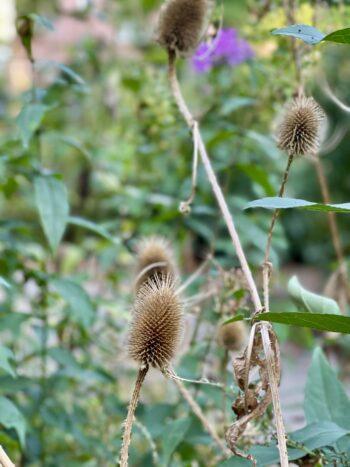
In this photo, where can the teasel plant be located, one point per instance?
(172, 29)
(156, 328)
(340, 279)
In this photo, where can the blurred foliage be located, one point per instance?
(101, 134)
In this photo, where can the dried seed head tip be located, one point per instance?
(232, 336)
(155, 257)
(301, 127)
(181, 24)
(157, 322)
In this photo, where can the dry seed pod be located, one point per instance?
(155, 257)
(156, 326)
(300, 129)
(181, 24)
(232, 336)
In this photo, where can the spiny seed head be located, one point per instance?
(155, 257)
(300, 129)
(181, 24)
(156, 326)
(232, 336)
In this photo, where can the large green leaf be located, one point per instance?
(341, 37)
(309, 301)
(174, 433)
(11, 417)
(78, 300)
(325, 397)
(29, 120)
(277, 202)
(6, 355)
(319, 321)
(306, 33)
(52, 203)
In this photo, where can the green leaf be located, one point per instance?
(341, 37)
(236, 103)
(29, 120)
(78, 300)
(52, 203)
(11, 417)
(174, 433)
(89, 225)
(309, 301)
(306, 33)
(290, 203)
(319, 321)
(5, 356)
(325, 397)
(234, 319)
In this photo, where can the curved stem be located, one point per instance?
(273, 380)
(124, 452)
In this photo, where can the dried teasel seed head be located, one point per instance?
(301, 127)
(181, 24)
(232, 336)
(155, 257)
(157, 323)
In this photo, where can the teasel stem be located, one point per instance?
(267, 266)
(124, 452)
(196, 409)
(185, 206)
(273, 380)
(333, 226)
(5, 461)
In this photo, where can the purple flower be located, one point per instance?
(227, 48)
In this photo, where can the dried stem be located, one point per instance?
(124, 452)
(176, 90)
(333, 226)
(5, 461)
(199, 413)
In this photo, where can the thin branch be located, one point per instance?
(176, 90)
(150, 440)
(200, 415)
(124, 452)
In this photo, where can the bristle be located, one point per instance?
(181, 24)
(155, 257)
(232, 336)
(300, 130)
(156, 326)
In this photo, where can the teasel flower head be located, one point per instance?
(301, 127)
(232, 336)
(181, 25)
(157, 323)
(155, 257)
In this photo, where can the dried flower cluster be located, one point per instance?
(181, 25)
(156, 326)
(155, 257)
(300, 130)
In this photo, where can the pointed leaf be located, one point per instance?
(342, 36)
(321, 322)
(309, 301)
(98, 229)
(306, 33)
(52, 204)
(289, 203)
(29, 120)
(11, 417)
(78, 300)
